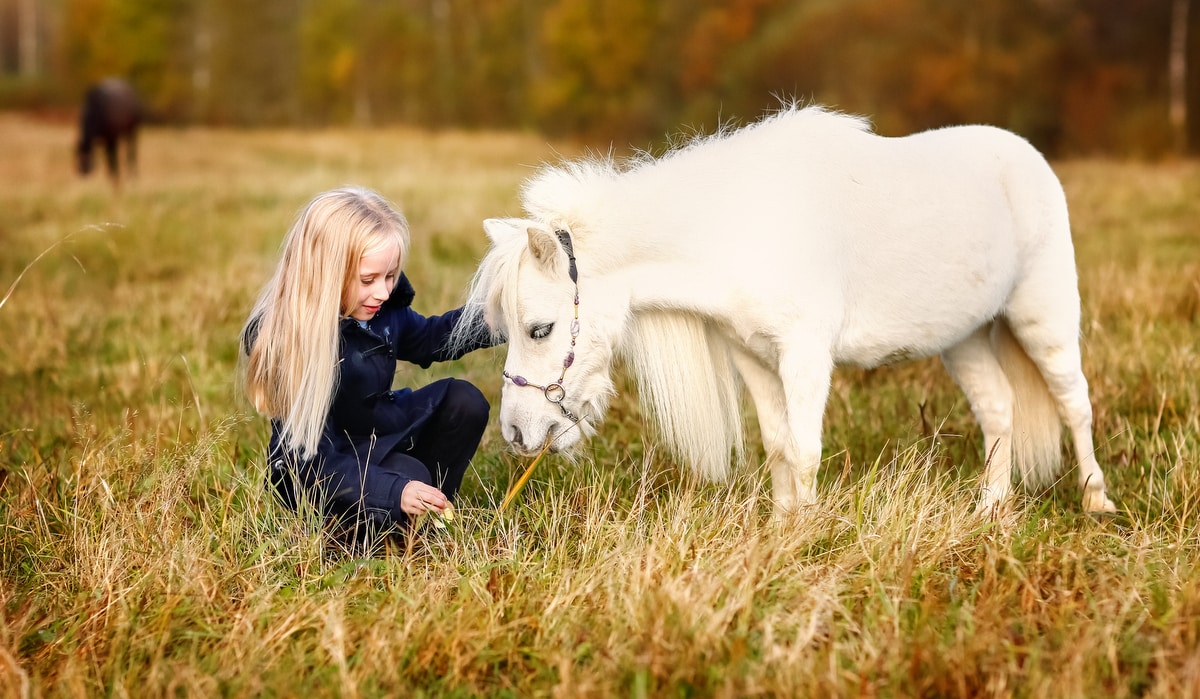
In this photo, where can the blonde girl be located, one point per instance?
(321, 347)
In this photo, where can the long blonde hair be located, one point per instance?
(291, 338)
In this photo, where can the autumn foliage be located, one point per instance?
(1075, 76)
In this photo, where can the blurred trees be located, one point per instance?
(1075, 76)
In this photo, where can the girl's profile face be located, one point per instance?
(377, 272)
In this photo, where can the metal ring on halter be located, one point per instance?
(555, 393)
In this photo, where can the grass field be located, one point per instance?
(140, 555)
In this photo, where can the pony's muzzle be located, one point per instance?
(518, 441)
(528, 447)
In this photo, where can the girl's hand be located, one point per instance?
(417, 498)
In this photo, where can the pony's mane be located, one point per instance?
(572, 192)
(688, 385)
(489, 294)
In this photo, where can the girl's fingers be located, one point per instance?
(419, 498)
(438, 499)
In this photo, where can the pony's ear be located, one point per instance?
(499, 229)
(543, 244)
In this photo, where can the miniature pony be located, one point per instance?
(763, 257)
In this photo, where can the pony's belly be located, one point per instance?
(871, 357)
(907, 311)
(892, 341)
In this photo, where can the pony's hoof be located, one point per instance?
(991, 509)
(992, 503)
(792, 512)
(1097, 501)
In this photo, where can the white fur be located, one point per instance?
(773, 253)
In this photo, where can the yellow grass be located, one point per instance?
(141, 556)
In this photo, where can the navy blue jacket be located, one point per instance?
(368, 420)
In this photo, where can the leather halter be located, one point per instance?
(554, 392)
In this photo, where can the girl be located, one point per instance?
(321, 349)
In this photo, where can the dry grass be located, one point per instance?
(141, 556)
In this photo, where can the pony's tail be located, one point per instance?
(687, 382)
(1037, 427)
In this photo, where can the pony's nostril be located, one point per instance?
(517, 439)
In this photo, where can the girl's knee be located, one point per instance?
(466, 403)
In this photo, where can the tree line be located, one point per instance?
(1074, 76)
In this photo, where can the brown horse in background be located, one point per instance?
(111, 113)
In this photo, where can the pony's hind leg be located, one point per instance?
(131, 152)
(110, 157)
(974, 367)
(1048, 332)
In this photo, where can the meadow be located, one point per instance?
(141, 556)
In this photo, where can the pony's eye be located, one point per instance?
(540, 331)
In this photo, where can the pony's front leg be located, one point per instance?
(766, 390)
(805, 375)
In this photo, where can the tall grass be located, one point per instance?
(141, 556)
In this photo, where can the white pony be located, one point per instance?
(766, 255)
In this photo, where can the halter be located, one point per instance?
(554, 392)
